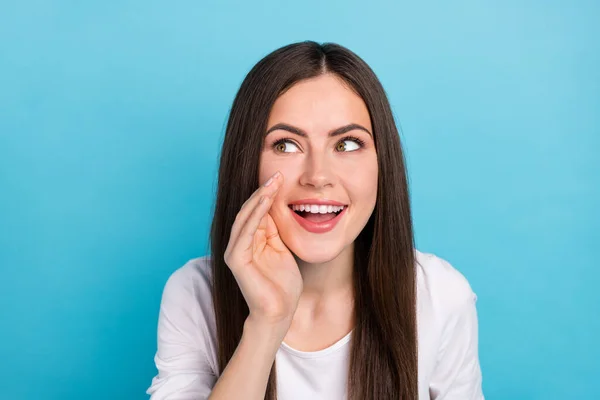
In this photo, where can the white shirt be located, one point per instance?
(448, 361)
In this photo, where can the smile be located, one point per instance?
(318, 218)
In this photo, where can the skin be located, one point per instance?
(323, 167)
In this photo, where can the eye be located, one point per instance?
(282, 145)
(346, 145)
(356, 144)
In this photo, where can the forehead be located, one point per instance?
(320, 104)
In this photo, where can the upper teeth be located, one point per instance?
(317, 209)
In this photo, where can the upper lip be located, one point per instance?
(320, 202)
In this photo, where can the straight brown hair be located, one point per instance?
(383, 347)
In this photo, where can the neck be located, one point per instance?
(329, 279)
(328, 293)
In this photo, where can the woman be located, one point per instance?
(314, 289)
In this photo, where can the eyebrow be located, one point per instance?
(336, 132)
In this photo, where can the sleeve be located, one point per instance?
(457, 374)
(184, 372)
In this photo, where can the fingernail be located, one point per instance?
(267, 183)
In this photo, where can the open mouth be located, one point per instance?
(318, 217)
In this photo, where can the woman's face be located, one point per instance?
(320, 167)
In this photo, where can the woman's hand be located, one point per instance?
(264, 268)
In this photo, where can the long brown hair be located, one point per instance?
(383, 349)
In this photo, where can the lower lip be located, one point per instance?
(319, 227)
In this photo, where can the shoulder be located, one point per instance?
(445, 307)
(448, 330)
(187, 297)
(194, 276)
(441, 284)
(186, 310)
(189, 289)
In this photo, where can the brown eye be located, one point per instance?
(345, 148)
(283, 146)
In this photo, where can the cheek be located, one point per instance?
(289, 167)
(266, 169)
(362, 180)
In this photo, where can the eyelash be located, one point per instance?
(359, 141)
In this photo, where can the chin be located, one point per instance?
(315, 252)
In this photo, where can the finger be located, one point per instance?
(245, 239)
(256, 193)
(272, 235)
(251, 204)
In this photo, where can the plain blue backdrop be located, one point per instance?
(112, 115)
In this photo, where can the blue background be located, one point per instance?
(111, 119)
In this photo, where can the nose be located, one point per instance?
(318, 171)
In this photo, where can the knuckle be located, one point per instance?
(247, 201)
(237, 218)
